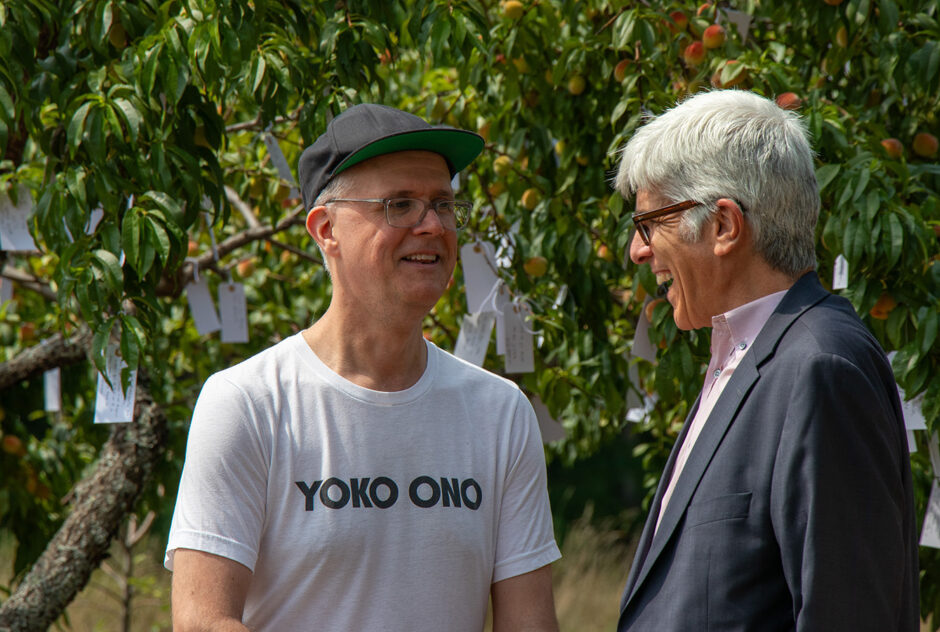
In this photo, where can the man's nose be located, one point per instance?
(639, 251)
(430, 222)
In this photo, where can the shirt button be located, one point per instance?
(742, 346)
(716, 373)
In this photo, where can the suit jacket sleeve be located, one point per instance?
(838, 500)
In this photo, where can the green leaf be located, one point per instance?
(111, 267)
(895, 234)
(131, 237)
(826, 174)
(76, 129)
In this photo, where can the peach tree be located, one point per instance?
(145, 139)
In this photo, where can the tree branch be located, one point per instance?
(54, 352)
(101, 501)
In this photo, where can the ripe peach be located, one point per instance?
(714, 36)
(651, 307)
(513, 9)
(883, 306)
(13, 445)
(531, 198)
(679, 21)
(694, 53)
(735, 77)
(536, 266)
(576, 85)
(789, 101)
(620, 70)
(925, 145)
(893, 148)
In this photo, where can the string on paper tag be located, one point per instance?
(840, 273)
(112, 403)
(474, 337)
(233, 311)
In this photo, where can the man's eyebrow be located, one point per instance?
(410, 193)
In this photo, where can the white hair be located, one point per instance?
(738, 145)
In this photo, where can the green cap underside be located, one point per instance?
(459, 147)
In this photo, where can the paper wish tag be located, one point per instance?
(112, 404)
(478, 260)
(233, 311)
(474, 337)
(551, 430)
(518, 338)
(52, 381)
(930, 533)
(501, 299)
(6, 290)
(280, 163)
(14, 228)
(202, 307)
(840, 273)
(641, 346)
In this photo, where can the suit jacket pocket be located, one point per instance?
(719, 508)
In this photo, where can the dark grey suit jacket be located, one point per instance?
(794, 510)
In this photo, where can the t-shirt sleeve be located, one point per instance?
(221, 500)
(525, 538)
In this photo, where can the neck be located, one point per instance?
(381, 355)
(749, 281)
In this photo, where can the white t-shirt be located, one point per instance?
(364, 510)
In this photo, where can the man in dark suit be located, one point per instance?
(786, 503)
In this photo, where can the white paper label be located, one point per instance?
(930, 534)
(474, 337)
(551, 430)
(112, 404)
(933, 448)
(913, 411)
(6, 290)
(518, 336)
(51, 381)
(911, 442)
(740, 19)
(234, 312)
(14, 231)
(202, 306)
(642, 347)
(478, 261)
(502, 299)
(280, 162)
(840, 273)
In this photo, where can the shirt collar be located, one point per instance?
(739, 327)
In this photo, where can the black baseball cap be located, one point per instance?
(368, 130)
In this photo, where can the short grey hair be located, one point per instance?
(738, 145)
(338, 187)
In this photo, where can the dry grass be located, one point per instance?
(588, 581)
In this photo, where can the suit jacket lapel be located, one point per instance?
(643, 546)
(805, 293)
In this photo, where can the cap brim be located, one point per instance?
(459, 147)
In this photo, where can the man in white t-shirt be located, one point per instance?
(354, 476)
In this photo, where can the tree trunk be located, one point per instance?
(100, 503)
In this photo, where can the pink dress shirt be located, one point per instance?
(732, 335)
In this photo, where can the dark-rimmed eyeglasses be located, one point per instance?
(409, 212)
(640, 219)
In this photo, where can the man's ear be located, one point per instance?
(320, 227)
(729, 225)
